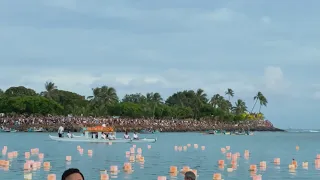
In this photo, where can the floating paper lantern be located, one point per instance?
(127, 167)
(51, 177)
(256, 177)
(114, 169)
(173, 169)
(139, 151)
(46, 165)
(27, 155)
(276, 161)
(305, 164)
(185, 169)
(162, 178)
(253, 167)
(104, 177)
(217, 176)
(132, 150)
(68, 158)
(41, 156)
(27, 176)
(263, 164)
(185, 148)
(221, 162)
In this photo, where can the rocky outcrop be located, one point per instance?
(163, 128)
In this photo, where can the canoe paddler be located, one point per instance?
(103, 136)
(60, 131)
(112, 136)
(69, 134)
(126, 135)
(135, 135)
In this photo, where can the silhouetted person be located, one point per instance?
(72, 174)
(189, 176)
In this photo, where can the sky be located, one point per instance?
(167, 46)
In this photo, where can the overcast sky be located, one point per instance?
(166, 46)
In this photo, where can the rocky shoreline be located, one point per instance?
(119, 128)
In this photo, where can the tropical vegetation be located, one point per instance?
(105, 102)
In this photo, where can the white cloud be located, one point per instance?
(68, 4)
(218, 15)
(275, 80)
(316, 95)
(266, 20)
(165, 82)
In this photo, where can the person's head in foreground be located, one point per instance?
(189, 176)
(72, 174)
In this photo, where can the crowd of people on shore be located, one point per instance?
(52, 123)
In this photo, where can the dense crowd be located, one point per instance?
(51, 123)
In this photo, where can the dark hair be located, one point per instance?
(190, 175)
(70, 171)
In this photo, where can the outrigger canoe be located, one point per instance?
(95, 140)
(94, 135)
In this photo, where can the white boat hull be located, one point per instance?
(84, 139)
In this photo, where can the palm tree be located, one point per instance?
(263, 102)
(215, 100)
(155, 99)
(103, 96)
(240, 106)
(259, 97)
(224, 104)
(229, 93)
(50, 87)
(201, 96)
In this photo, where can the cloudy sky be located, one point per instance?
(166, 46)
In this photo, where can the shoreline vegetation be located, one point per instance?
(183, 111)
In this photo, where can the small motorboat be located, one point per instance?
(144, 131)
(10, 130)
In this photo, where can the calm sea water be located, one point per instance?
(158, 159)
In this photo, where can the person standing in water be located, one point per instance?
(60, 131)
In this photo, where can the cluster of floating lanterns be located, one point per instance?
(135, 155)
(29, 165)
(185, 148)
(233, 157)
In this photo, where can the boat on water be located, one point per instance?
(246, 133)
(8, 130)
(144, 131)
(94, 135)
(217, 132)
(35, 129)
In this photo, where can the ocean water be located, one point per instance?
(158, 159)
